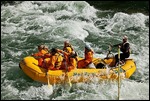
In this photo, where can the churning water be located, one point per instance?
(30, 23)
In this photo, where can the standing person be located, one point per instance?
(125, 49)
(88, 57)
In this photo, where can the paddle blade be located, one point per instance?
(70, 84)
(49, 85)
(67, 80)
(107, 70)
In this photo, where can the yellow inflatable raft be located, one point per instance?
(30, 67)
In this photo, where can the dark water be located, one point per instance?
(24, 25)
(122, 6)
(116, 6)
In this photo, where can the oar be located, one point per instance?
(119, 73)
(47, 75)
(69, 81)
(109, 51)
(108, 68)
(49, 85)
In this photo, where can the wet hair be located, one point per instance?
(53, 50)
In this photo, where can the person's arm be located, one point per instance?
(63, 52)
(47, 55)
(72, 47)
(51, 64)
(127, 47)
(116, 45)
(36, 54)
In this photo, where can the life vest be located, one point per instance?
(44, 51)
(73, 56)
(59, 60)
(68, 49)
(40, 57)
(124, 49)
(40, 53)
(70, 61)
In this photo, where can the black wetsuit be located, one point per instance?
(125, 48)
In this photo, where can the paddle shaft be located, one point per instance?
(69, 81)
(109, 50)
(119, 74)
(48, 80)
(47, 77)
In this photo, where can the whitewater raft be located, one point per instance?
(106, 70)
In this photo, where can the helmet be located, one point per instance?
(73, 54)
(125, 37)
(41, 46)
(67, 41)
(45, 47)
(87, 46)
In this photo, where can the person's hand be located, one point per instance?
(69, 69)
(110, 45)
(59, 50)
(46, 73)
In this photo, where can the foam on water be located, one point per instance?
(41, 93)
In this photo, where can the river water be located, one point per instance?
(30, 23)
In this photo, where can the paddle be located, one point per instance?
(69, 81)
(119, 73)
(109, 49)
(108, 68)
(49, 85)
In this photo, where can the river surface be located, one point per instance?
(31, 23)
